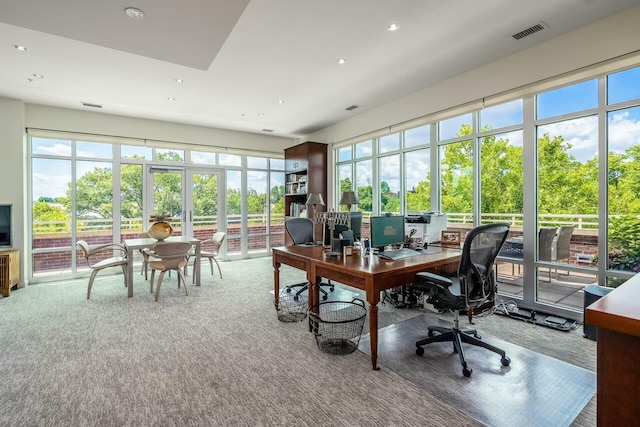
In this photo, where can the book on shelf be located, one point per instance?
(297, 210)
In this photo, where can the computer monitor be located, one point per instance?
(386, 230)
(356, 224)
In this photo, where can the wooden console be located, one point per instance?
(9, 271)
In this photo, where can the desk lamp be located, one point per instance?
(315, 199)
(349, 198)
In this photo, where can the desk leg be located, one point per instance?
(129, 277)
(314, 293)
(373, 334)
(276, 284)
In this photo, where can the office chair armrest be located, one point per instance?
(424, 278)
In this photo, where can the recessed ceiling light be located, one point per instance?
(20, 47)
(134, 12)
(280, 101)
(171, 98)
(393, 27)
(38, 76)
(341, 61)
(178, 80)
(260, 114)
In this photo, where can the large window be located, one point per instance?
(535, 162)
(103, 192)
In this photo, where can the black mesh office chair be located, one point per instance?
(473, 286)
(301, 231)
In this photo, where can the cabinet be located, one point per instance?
(9, 271)
(305, 172)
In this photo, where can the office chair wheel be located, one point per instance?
(477, 336)
(324, 297)
(296, 297)
(331, 288)
(467, 372)
(419, 351)
(430, 333)
(506, 361)
(288, 290)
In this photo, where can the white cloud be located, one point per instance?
(45, 185)
(55, 149)
(624, 131)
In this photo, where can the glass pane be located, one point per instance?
(230, 159)
(454, 127)
(277, 209)
(389, 184)
(167, 197)
(131, 221)
(623, 86)
(344, 153)
(94, 201)
(234, 211)
(257, 210)
(94, 149)
(163, 155)
(136, 152)
(203, 158)
(364, 185)
(623, 139)
(568, 99)
(567, 206)
(256, 162)
(501, 179)
(456, 164)
(277, 164)
(344, 178)
(50, 147)
(389, 143)
(417, 136)
(51, 183)
(364, 149)
(498, 116)
(418, 186)
(205, 205)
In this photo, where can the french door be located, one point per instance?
(190, 196)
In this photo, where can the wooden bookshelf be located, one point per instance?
(305, 172)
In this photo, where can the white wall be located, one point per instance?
(12, 169)
(601, 41)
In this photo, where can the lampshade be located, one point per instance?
(315, 199)
(349, 198)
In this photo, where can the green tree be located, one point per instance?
(49, 218)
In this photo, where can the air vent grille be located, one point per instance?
(351, 107)
(531, 30)
(267, 130)
(87, 104)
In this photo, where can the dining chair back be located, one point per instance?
(172, 256)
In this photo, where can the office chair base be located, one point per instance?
(304, 286)
(458, 336)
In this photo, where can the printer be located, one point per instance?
(428, 225)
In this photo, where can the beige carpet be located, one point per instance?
(216, 357)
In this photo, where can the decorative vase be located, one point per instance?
(160, 229)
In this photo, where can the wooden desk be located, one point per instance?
(369, 274)
(135, 244)
(617, 318)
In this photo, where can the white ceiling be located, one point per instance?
(239, 57)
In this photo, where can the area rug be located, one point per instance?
(535, 390)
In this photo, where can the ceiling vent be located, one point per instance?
(86, 104)
(351, 108)
(267, 130)
(531, 30)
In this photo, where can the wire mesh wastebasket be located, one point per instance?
(337, 325)
(289, 308)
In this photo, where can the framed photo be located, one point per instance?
(450, 238)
